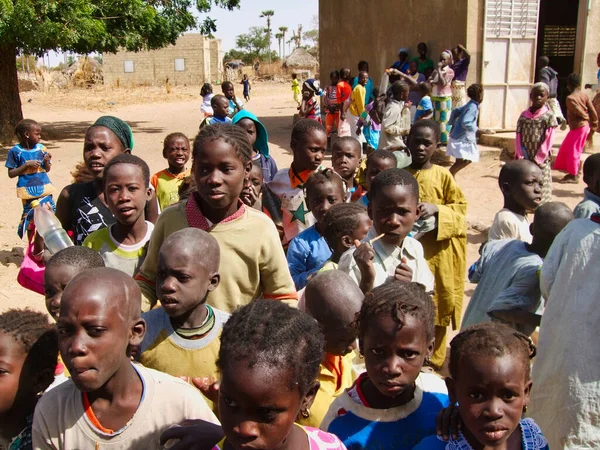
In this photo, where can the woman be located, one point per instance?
(441, 81)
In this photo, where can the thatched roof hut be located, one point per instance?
(301, 59)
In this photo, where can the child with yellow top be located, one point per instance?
(176, 150)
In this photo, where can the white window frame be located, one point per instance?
(181, 68)
(128, 66)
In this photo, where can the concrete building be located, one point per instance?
(505, 38)
(194, 60)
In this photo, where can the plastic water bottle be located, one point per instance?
(49, 227)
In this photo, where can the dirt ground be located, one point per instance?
(153, 113)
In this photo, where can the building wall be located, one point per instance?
(202, 58)
(352, 30)
(588, 47)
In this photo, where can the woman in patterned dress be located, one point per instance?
(441, 81)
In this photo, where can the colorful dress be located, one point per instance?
(442, 101)
(535, 135)
(317, 440)
(314, 109)
(332, 116)
(462, 143)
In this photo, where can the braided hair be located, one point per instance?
(24, 126)
(230, 134)
(267, 332)
(341, 220)
(321, 177)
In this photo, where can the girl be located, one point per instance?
(176, 150)
(246, 83)
(441, 80)
(371, 125)
(251, 194)
(296, 89)
(583, 122)
(310, 108)
(535, 136)
(332, 116)
(393, 404)
(308, 251)
(462, 143)
(207, 94)
(490, 367)
(81, 207)
(252, 260)
(259, 139)
(28, 353)
(269, 362)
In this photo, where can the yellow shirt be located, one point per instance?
(357, 100)
(166, 186)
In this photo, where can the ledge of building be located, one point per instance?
(506, 140)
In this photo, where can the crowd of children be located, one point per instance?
(224, 303)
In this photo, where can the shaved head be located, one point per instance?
(514, 170)
(552, 217)
(195, 242)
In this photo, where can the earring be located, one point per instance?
(524, 408)
(305, 413)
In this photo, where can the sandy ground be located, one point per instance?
(153, 114)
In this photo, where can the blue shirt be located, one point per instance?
(464, 122)
(424, 105)
(34, 183)
(402, 67)
(588, 206)
(306, 254)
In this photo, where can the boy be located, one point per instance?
(396, 119)
(220, 106)
(387, 251)
(520, 183)
(445, 244)
(108, 401)
(333, 299)
(235, 105)
(183, 335)
(123, 244)
(376, 162)
(345, 158)
(591, 195)
(507, 274)
(425, 108)
(308, 144)
(357, 102)
(166, 183)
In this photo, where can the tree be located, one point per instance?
(283, 31)
(279, 37)
(268, 14)
(255, 42)
(37, 26)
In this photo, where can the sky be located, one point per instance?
(232, 23)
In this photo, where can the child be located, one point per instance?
(535, 135)
(296, 89)
(460, 66)
(376, 162)
(251, 194)
(393, 404)
(343, 225)
(343, 93)
(235, 105)
(308, 144)
(108, 401)
(549, 77)
(176, 150)
(387, 251)
(521, 184)
(308, 251)
(441, 81)
(357, 103)
(490, 380)
(28, 349)
(370, 126)
(507, 274)
(591, 195)
(182, 337)
(425, 107)
(396, 118)
(363, 66)
(259, 139)
(310, 108)
(332, 115)
(61, 268)
(345, 159)
(246, 82)
(333, 299)
(269, 362)
(220, 106)
(30, 161)
(462, 142)
(252, 261)
(207, 94)
(583, 122)
(123, 244)
(444, 247)
(414, 78)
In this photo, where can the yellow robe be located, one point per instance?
(445, 247)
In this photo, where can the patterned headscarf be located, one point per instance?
(119, 127)
(542, 85)
(448, 54)
(313, 85)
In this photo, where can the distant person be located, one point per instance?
(207, 94)
(536, 128)
(221, 108)
(332, 115)
(414, 79)
(235, 104)
(343, 92)
(425, 108)
(425, 65)
(548, 75)
(176, 150)
(402, 64)
(310, 107)
(247, 87)
(462, 59)
(583, 122)
(296, 88)
(591, 195)
(357, 103)
(363, 66)
(395, 124)
(441, 81)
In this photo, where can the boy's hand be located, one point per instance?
(33, 164)
(209, 386)
(428, 210)
(448, 423)
(193, 435)
(403, 272)
(364, 256)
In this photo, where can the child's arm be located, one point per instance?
(47, 163)
(470, 119)
(593, 118)
(297, 256)
(452, 211)
(392, 120)
(364, 256)
(18, 171)
(304, 108)
(63, 209)
(518, 316)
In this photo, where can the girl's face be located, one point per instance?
(307, 93)
(12, 359)
(309, 151)
(444, 59)
(177, 153)
(219, 174)
(323, 197)
(250, 127)
(100, 146)
(394, 355)
(260, 415)
(254, 181)
(33, 136)
(491, 393)
(539, 97)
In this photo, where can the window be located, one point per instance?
(179, 65)
(128, 66)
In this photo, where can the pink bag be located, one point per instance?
(31, 273)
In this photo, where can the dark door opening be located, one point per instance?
(557, 33)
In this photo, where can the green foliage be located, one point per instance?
(255, 43)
